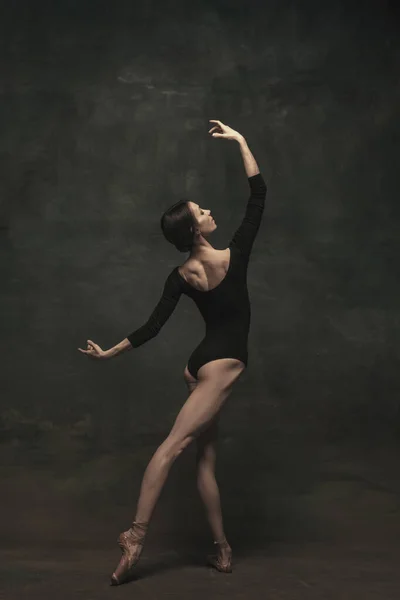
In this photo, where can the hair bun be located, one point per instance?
(177, 225)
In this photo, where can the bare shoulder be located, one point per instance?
(190, 268)
(207, 272)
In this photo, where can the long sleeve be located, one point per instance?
(246, 233)
(164, 309)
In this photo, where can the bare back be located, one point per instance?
(207, 273)
(216, 281)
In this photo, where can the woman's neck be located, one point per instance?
(201, 248)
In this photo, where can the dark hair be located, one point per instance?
(177, 224)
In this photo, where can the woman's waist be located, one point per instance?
(227, 330)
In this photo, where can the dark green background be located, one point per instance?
(105, 111)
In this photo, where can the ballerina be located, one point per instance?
(216, 280)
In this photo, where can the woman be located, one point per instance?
(216, 281)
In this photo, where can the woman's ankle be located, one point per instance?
(139, 529)
(222, 542)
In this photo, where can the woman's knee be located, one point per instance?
(206, 456)
(205, 475)
(175, 445)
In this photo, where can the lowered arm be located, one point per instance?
(164, 309)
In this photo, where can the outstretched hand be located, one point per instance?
(224, 131)
(94, 350)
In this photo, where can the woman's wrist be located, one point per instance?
(249, 162)
(121, 347)
(112, 352)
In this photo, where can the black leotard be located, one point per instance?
(225, 308)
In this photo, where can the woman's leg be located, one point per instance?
(206, 480)
(204, 403)
(205, 461)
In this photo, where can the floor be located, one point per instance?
(284, 571)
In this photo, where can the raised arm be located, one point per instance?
(245, 235)
(164, 309)
(250, 165)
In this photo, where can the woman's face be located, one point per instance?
(203, 219)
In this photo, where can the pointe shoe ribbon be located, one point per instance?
(215, 561)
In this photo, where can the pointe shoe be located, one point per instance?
(215, 560)
(131, 543)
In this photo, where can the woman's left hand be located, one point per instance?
(94, 350)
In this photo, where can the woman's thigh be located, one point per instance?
(207, 440)
(207, 398)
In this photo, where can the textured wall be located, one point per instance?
(104, 124)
